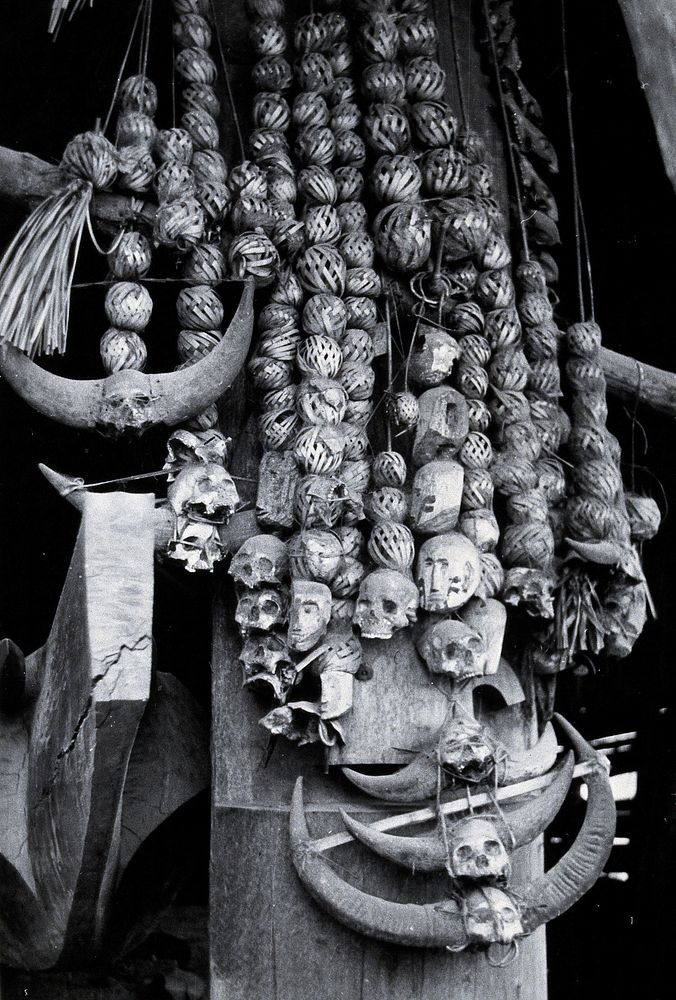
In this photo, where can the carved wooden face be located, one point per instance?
(491, 917)
(309, 615)
(447, 572)
(435, 497)
(442, 426)
(477, 851)
(387, 602)
(260, 560)
(453, 648)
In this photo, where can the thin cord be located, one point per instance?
(508, 138)
(122, 67)
(587, 255)
(389, 367)
(456, 65)
(146, 46)
(231, 97)
(573, 162)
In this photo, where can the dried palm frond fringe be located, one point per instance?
(36, 272)
(579, 614)
(59, 10)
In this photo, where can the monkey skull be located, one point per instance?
(532, 590)
(387, 602)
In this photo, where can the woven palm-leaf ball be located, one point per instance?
(353, 217)
(545, 377)
(511, 473)
(321, 268)
(349, 148)
(521, 436)
(542, 410)
(321, 400)
(251, 213)
(173, 145)
(463, 224)
(476, 451)
(313, 72)
(503, 329)
(386, 503)
(587, 441)
(359, 411)
(174, 180)
(276, 316)
(391, 546)
(477, 489)
(319, 355)
(386, 129)
(195, 344)
(481, 527)
(280, 399)
(195, 66)
(200, 95)
(472, 145)
(551, 480)
(122, 350)
(205, 420)
(135, 128)
(530, 277)
(508, 405)
(192, 30)
(287, 231)
(588, 518)
(253, 255)
(509, 369)
(481, 180)
(281, 185)
(540, 343)
(263, 142)
(287, 289)
(461, 278)
(385, 82)
(131, 256)
(135, 168)
(472, 381)
(268, 373)
(598, 478)
(466, 320)
(281, 344)
(403, 409)
(199, 308)
(278, 428)
(271, 110)
(349, 183)
(356, 476)
(357, 249)
(396, 178)
(272, 73)
(309, 109)
(345, 115)
(128, 306)
(644, 517)
(479, 415)
(343, 89)
(179, 223)
(495, 289)
(138, 93)
(362, 312)
(356, 442)
(357, 379)
(363, 281)
(215, 199)
(434, 124)
(316, 144)
(531, 505)
(378, 38)
(310, 33)
(208, 165)
(425, 79)
(584, 339)
(474, 348)
(492, 576)
(267, 37)
(535, 308)
(92, 157)
(389, 469)
(589, 408)
(336, 25)
(204, 265)
(198, 6)
(317, 184)
(494, 254)
(345, 583)
(325, 314)
(530, 544)
(418, 35)
(357, 345)
(319, 449)
(247, 180)
(586, 375)
(403, 237)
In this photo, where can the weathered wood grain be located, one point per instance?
(637, 382)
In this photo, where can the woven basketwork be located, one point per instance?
(598, 478)
(521, 436)
(540, 342)
(494, 254)
(317, 184)
(353, 217)
(203, 129)
(531, 505)
(357, 345)
(173, 181)
(122, 350)
(477, 489)
(362, 313)
(389, 469)
(589, 408)
(130, 257)
(321, 401)
(535, 309)
(319, 501)
(508, 405)
(310, 33)
(434, 124)
(511, 473)
(386, 129)
(309, 109)
(358, 250)
(349, 148)
(319, 355)
(277, 428)
(584, 339)
(418, 35)
(530, 277)
(325, 314)
(396, 178)
(472, 381)
(530, 544)
(135, 129)
(444, 172)
(357, 379)
(128, 306)
(208, 165)
(135, 169)
(509, 369)
(271, 111)
(356, 475)
(269, 373)
(403, 409)
(313, 72)
(467, 319)
(545, 378)
(341, 58)
(319, 448)
(139, 93)
(425, 79)
(476, 451)
(356, 442)
(280, 344)
(279, 399)
(481, 180)
(272, 73)
(345, 115)
(253, 255)
(279, 317)
(349, 183)
(195, 65)
(492, 576)
(173, 145)
(215, 200)
(391, 546)
(315, 145)
(386, 503)
(346, 581)
(248, 180)
(281, 186)
(585, 375)
(267, 37)
(344, 89)
(479, 415)
(377, 37)
(322, 225)
(384, 82)
(403, 237)
(588, 518)
(363, 281)
(321, 268)
(359, 411)
(464, 225)
(495, 289)
(199, 308)
(352, 541)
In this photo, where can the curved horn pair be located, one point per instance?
(429, 852)
(434, 925)
(418, 780)
(130, 400)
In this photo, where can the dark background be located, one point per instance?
(616, 941)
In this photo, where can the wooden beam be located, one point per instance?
(635, 381)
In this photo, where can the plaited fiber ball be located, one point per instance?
(494, 254)
(268, 373)
(336, 25)
(418, 35)
(316, 144)
(586, 375)
(319, 449)
(588, 518)
(272, 73)
(509, 369)
(345, 115)
(247, 180)
(492, 576)
(472, 381)
(389, 469)
(179, 223)
(644, 517)
(357, 379)
(192, 30)
(474, 350)
(319, 355)
(135, 168)
(461, 278)
(481, 181)
(91, 157)
(321, 401)
(271, 110)
(131, 256)
(356, 475)
(281, 186)
(542, 410)
(508, 405)
(199, 308)
(551, 479)
(613, 448)
(385, 82)
(464, 225)
(287, 289)
(357, 250)
(138, 93)
(310, 33)
(200, 95)
(128, 306)
(521, 436)
(350, 149)
(472, 145)
(363, 281)
(479, 415)
(344, 89)
(346, 583)
(403, 409)
(378, 38)
(356, 442)
(349, 184)
(317, 184)
(321, 268)
(122, 350)
(434, 124)
(477, 489)
(444, 172)
(280, 399)
(386, 129)
(396, 178)
(495, 289)
(215, 199)
(195, 344)
(278, 428)
(208, 165)
(481, 527)
(386, 503)
(279, 344)
(535, 308)
(476, 451)
(322, 224)
(204, 265)
(359, 411)
(252, 254)
(361, 312)
(584, 339)
(511, 473)
(353, 217)
(530, 545)
(325, 314)
(530, 277)
(135, 128)
(589, 408)
(391, 546)
(173, 145)
(540, 343)
(531, 505)
(425, 80)
(173, 181)
(267, 37)
(205, 420)
(598, 478)
(262, 142)
(587, 441)
(545, 378)
(195, 66)
(403, 237)
(313, 72)
(202, 128)
(357, 345)
(278, 317)
(309, 109)
(467, 319)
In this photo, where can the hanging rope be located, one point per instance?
(577, 215)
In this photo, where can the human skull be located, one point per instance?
(261, 559)
(185, 447)
(204, 492)
(442, 426)
(261, 610)
(465, 751)
(321, 400)
(477, 852)
(196, 544)
(435, 497)
(532, 590)
(320, 501)
(265, 654)
(491, 916)
(448, 571)
(387, 602)
(453, 648)
(309, 614)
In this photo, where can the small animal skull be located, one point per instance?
(448, 572)
(261, 610)
(624, 609)
(387, 602)
(466, 752)
(196, 544)
(262, 559)
(309, 615)
(477, 852)
(204, 492)
(435, 497)
(453, 648)
(491, 916)
(532, 590)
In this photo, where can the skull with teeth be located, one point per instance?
(186, 447)
(453, 648)
(261, 610)
(262, 559)
(477, 851)
(265, 654)
(387, 602)
(466, 752)
(491, 916)
(204, 492)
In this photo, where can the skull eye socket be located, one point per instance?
(389, 606)
(265, 565)
(492, 847)
(483, 915)
(247, 569)
(269, 607)
(509, 915)
(464, 853)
